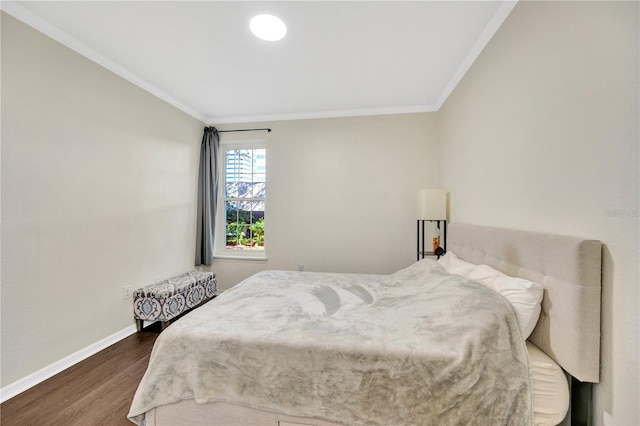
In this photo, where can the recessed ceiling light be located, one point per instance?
(268, 27)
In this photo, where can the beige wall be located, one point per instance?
(341, 193)
(99, 184)
(542, 134)
(98, 180)
(98, 190)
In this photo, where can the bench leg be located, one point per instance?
(139, 324)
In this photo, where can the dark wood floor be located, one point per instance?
(96, 391)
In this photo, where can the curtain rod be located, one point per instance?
(241, 130)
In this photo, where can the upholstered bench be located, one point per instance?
(173, 297)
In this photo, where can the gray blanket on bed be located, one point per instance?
(419, 347)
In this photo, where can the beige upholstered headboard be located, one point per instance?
(570, 270)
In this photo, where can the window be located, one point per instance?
(243, 197)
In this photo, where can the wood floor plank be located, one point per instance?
(96, 391)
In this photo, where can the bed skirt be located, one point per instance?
(223, 414)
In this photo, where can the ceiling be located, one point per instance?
(339, 58)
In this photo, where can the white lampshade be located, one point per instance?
(432, 204)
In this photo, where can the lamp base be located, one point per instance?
(437, 251)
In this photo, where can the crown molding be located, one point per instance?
(492, 27)
(19, 12)
(322, 114)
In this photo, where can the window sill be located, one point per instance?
(241, 258)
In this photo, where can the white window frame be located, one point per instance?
(220, 246)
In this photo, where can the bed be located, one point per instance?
(287, 348)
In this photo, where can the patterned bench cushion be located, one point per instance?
(170, 298)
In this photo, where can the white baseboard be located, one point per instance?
(43, 374)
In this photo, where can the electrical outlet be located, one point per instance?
(127, 292)
(300, 267)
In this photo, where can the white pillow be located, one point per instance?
(525, 296)
(454, 265)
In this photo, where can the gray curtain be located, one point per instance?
(207, 196)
